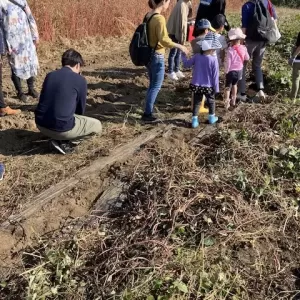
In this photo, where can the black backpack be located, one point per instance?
(139, 49)
(261, 25)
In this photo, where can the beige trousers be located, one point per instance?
(84, 126)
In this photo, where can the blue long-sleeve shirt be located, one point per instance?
(63, 95)
(248, 12)
(205, 70)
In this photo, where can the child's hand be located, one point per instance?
(291, 61)
(184, 49)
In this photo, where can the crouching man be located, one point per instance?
(59, 114)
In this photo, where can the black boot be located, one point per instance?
(31, 91)
(18, 86)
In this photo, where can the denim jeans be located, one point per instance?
(256, 51)
(174, 57)
(156, 71)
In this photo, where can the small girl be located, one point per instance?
(295, 62)
(237, 54)
(202, 28)
(205, 80)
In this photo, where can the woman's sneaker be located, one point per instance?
(242, 98)
(173, 76)
(63, 147)
(180, 75)
(195, 122)
(261, 95)
(148, 118)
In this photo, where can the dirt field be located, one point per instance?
(116, 97)
(219, 187)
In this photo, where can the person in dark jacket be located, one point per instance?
(209, 9)
(60, 112)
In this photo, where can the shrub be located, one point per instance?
(81, 18)
(288, 3)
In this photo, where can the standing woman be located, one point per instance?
(159, 40)
(4, 109)
(177, 28)
(22, 36)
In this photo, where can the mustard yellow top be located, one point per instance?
(158, 32)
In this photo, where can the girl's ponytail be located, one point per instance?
(150, 3)
(153, 3)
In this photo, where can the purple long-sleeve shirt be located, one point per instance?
(205, 70)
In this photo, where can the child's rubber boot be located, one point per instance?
(202, 109)
(212, 119)
(195, 122)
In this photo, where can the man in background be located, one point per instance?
(255, 44)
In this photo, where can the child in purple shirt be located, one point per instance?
(205, 80)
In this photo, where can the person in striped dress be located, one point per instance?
(4, 109)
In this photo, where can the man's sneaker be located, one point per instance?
(63, 147)
(180, 75)
(241, 97)
(33, 93)
(195, 122)
(7, 111)
(76, 142)
(173, 76)
(22, 97)
(148, 118)
(261, 95)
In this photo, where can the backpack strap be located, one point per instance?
(19, 5)
(239, 53)
(270, 8)
(147, 20)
